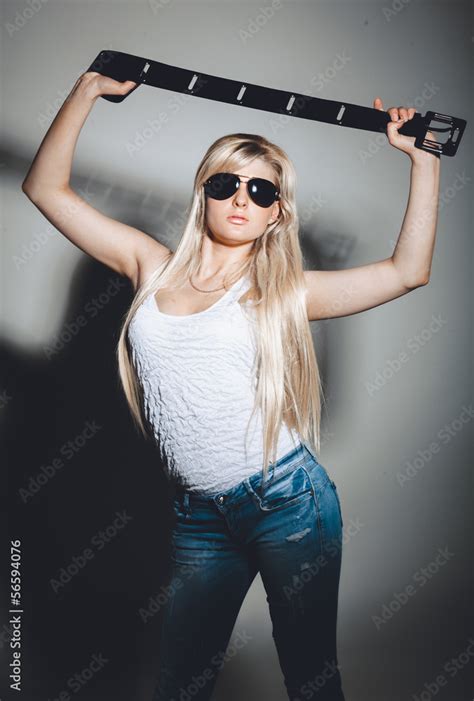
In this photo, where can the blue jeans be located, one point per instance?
(290, 532)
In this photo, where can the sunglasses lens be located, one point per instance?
(262, 192)
(221, 186)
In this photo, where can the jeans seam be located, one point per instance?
(317, 506)
(333, 485)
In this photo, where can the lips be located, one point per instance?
(237, 220)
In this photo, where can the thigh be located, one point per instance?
(298, 550)
(210, 576)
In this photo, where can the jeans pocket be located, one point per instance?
(288, 490)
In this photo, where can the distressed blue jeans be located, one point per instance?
(290, 532)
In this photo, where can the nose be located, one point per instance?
(241, 195)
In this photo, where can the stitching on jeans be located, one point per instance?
(295, 499)
(262, 487)
(333, 485)
(317, 505)
(287, 468)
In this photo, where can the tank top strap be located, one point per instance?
(239, 289)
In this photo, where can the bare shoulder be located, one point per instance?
(149, 257)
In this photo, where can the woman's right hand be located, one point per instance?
(95, 84)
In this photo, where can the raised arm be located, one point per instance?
(344, 292)
(122, 248)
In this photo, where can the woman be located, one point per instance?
(217, 364)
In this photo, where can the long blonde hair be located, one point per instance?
(288, 385)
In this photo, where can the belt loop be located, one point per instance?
(271, 471)
(186, 507)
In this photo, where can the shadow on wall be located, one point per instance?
(88, 498)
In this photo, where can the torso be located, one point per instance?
(198, 377)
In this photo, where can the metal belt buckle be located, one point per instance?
(450, 146)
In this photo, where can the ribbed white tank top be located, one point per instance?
(198, 379)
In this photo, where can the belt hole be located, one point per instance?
(241, 92)
(340, 113)
(193, 81)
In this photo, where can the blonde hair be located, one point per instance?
(288, 385)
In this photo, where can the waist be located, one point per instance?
(288, 462)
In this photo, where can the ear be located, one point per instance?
(275, 212)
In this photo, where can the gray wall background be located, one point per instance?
(384, 417)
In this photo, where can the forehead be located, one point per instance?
(255, 169)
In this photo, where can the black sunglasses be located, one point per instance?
(221, 186)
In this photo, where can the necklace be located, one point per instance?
(197, 288)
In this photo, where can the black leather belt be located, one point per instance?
(121, 66)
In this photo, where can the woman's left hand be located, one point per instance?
(400, 115)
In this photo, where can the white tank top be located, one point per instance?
(198, 379)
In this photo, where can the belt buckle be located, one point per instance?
(450, 146)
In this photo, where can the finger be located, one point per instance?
(403, 113)
(378, 104)
(393, 112)
(411, 112)
(393, 131)
(393, 127)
